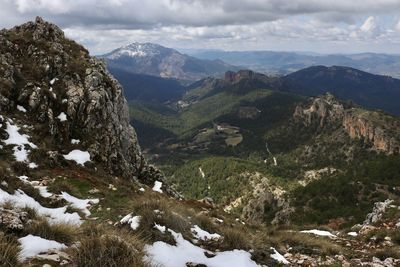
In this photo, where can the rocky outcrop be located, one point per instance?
(266, 200)
(12, 219)
(68, 95)
(379, 130)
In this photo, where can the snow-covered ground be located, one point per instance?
(167, 255)
(133, 221)
(278, 257)
(34, 245)
(157, 186)
(201, 234)
(79, 156)
(20, 142)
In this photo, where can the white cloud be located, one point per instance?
(369, 25)
(397, 27)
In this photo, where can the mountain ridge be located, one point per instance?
(157, 60)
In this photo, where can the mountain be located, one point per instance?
(156, 60)
(147, 88)
(276, 178)
(286, 62)
(369, 90)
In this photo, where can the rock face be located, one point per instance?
(68, 95)
(379, 130)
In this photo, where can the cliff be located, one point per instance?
(375, 128)
(68, 95)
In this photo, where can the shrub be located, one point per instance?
(234, 239)
(61, 232)
(109, 249)
(9, 252)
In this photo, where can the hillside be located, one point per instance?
(156, 60)
(369, 90)
(233, 130)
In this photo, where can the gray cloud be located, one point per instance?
(230, 24)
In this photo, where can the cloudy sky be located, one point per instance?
(325, 26)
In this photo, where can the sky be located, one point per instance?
(322, 26)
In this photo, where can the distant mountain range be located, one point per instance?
(156, 60)
(365, 89)
(287, 62)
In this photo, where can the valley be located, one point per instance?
(149, 157)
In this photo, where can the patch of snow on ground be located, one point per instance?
(142, 189)
(352, 234)
(53, 81)
(75, 141)
(19, 140)
(319, 233)
(56, 215)
(177, 256)
(278, 257)
(62, 116)
(133, 221)
(157, 186)
(79, 156)
(21, 108)
(202, 173)
(203, 235)
(81, 204)
(34, 245)
(160, 228)
(32, 165)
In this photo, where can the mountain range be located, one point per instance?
(282, 63)
(242, 169)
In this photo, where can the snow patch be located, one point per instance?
(79, 156)
(278, 257)
(202, 173)
(62, 117)
(53, 81)
(352, 234)
(19, 140)
(199, 233)
(55, 215)
(81, 204)
(75, 141)
(34, 245)
(133, 221)
(177, 256)
(157, 186)
(21, 108)
(319, 233)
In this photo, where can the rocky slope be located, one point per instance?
(379, 130)
(67, 95)
(156, 60)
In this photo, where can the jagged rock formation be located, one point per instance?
(379, 130)
(68, 95)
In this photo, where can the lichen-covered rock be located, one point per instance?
(12, 219)
(54, 78)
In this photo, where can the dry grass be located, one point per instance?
(102, 247)
(9, 252)
(234, 238)
(304, 243)
(61, 232)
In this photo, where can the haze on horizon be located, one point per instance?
(321, 26)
